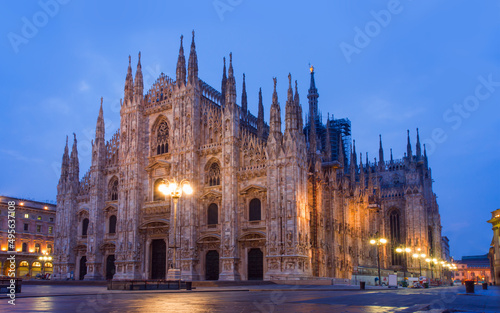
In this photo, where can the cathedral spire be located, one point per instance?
(99, 128)
(64, 165)
(419, 149)
(244, 103)
(231, 84)
(290, 111)
(367, 160)
(381, 151)
(392, 160)
(426, 161)
(74, 169)
(354, 160)
(341, 152)
(361, 171)
(275, 116)
(129, 82)
(180, 72)
(408, 147)
(313, 98)
(298, 107)
(193, 63)
(328, 143)
(139, 84)
(260, 116)
(223, 84)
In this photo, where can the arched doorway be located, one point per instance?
(83, 267)
(158, 259)
(212, 265)
(255, 264)
(110, 266)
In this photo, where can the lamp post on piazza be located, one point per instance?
(175, 190)
(405, 251)
(378, 241)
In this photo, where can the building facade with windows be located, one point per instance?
(495, 246)
(269, 202)
(34, 236)
(474, 267)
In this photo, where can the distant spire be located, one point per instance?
(231, 84)
(275, 116)
(244, 104)
(381, 152)
(426, 161)
(328, 143)
(361, 171)
(419, 151)
(193, 63)
(180, 72)
(408, 147)
(260, 116)
(367, 159)
(341, 151)
(313, 98)
(99, 128)
(64, 164)
(223, 84)
(354, 160)
(392, 160)
(129, 82)
(298, 107)
(74, 168)
(290, 111)
(139, 84)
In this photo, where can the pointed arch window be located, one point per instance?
(394, 223)
(214, 175)
(113, 189)
(254, 212)
(85, 226)
(162, 138)
(213, 214)
(112, 224)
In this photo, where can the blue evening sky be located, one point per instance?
(425, 64)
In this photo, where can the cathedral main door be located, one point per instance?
(110, 266)
(158, 259)
(212, 265)
(255, 264)
(83, 267)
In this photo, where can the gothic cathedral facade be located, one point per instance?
(266, 205)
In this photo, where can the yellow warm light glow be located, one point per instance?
(45, 208)
(427, 260)
(40, 258)
(163, 188)
(407, 249)
(18, 249)
(21, 204)
(4, 248)
(187, 189)
(31, 250)
(50, 258)
(383, 240)
(43, 251)
(418, 249)
(311, 68)
(372, 241)
(415, 255)
(399, 250)
(423, 255)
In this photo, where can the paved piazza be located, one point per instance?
(252, 299)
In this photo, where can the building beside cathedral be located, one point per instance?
(267, 203)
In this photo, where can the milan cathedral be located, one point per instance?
(267, 204)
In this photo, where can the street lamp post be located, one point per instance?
(44, 259)
(419, 256)
(404, 250)
(378, 241)
(175, 190)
